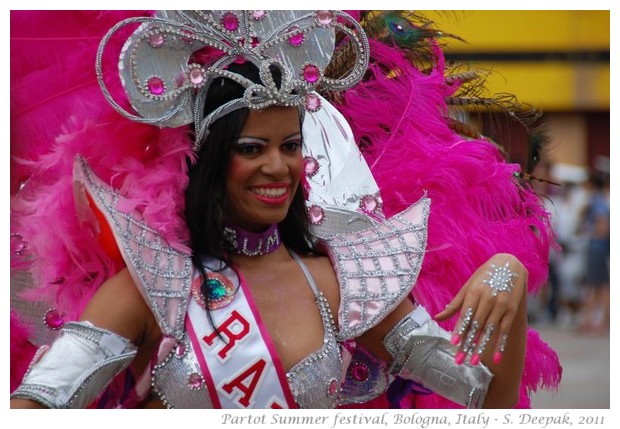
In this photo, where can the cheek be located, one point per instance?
(234, 168)
(238, 171)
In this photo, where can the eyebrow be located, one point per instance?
(267, 140)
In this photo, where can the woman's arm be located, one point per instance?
(118, 309)
(504, 312)
(507, 312)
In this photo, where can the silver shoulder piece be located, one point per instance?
(377, 267)
(76, 368)
(162, 274)
(422, 352)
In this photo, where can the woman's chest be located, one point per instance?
(245, 374)
(272, 345)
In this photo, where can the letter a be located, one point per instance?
(255, 372)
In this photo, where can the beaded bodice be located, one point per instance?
(314, 381)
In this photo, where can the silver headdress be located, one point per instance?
(166, 80)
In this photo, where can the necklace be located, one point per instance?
(248, 243)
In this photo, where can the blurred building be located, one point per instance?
(558, 61)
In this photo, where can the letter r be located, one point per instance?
(235, 320)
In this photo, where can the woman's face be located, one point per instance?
(265, 169)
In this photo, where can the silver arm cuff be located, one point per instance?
(422, 352)
(76, 367)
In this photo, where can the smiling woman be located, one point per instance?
(264, 309)
(265, 169)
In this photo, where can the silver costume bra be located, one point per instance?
(314, 381)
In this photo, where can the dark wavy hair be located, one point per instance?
(205, 194)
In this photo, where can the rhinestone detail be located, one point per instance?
(53, 319)
(311, 73)
(316, 214)
(324, 17)
(157, 40)
(360, 371)
(313, 103)
(195, 381)
(369, 203)
(311, 166)
(296, 39)
(156, 85)
(230, 21)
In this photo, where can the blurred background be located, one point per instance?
(558, 61)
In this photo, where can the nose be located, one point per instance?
(275, 164)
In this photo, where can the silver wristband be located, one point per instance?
(76, 367)
(422, 352)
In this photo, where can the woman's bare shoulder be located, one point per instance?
(119, 307)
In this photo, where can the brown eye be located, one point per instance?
(247, 148)
(292, 146)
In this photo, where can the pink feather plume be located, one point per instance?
(477, 207)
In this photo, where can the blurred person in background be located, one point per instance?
(596, 217)
(565, 199)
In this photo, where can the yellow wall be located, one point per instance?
(550, 85)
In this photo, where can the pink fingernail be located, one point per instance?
(475, 359)
(456, 338)
(497, 357)
(459, 358)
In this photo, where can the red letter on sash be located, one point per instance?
(224, 329)
(255, 371)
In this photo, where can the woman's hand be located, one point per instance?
(488, 302)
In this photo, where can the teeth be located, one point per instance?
(270, 192)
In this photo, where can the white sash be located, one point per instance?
(241, 369)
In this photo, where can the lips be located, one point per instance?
(273, 193)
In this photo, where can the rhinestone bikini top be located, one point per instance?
(314, 381)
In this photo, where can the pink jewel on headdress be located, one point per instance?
(369, 203)
(311, 166)
(316, 214)
(195, 381)
(296, 39)
(157, 40)
(255, 41)
(156, 85)
(313, 103)
(53, 319)
(196, 75)
(230, 21)
(360, 371)
(259, 14)
(333, 387)
(325, 17)
(311, 73)
(18, 244)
